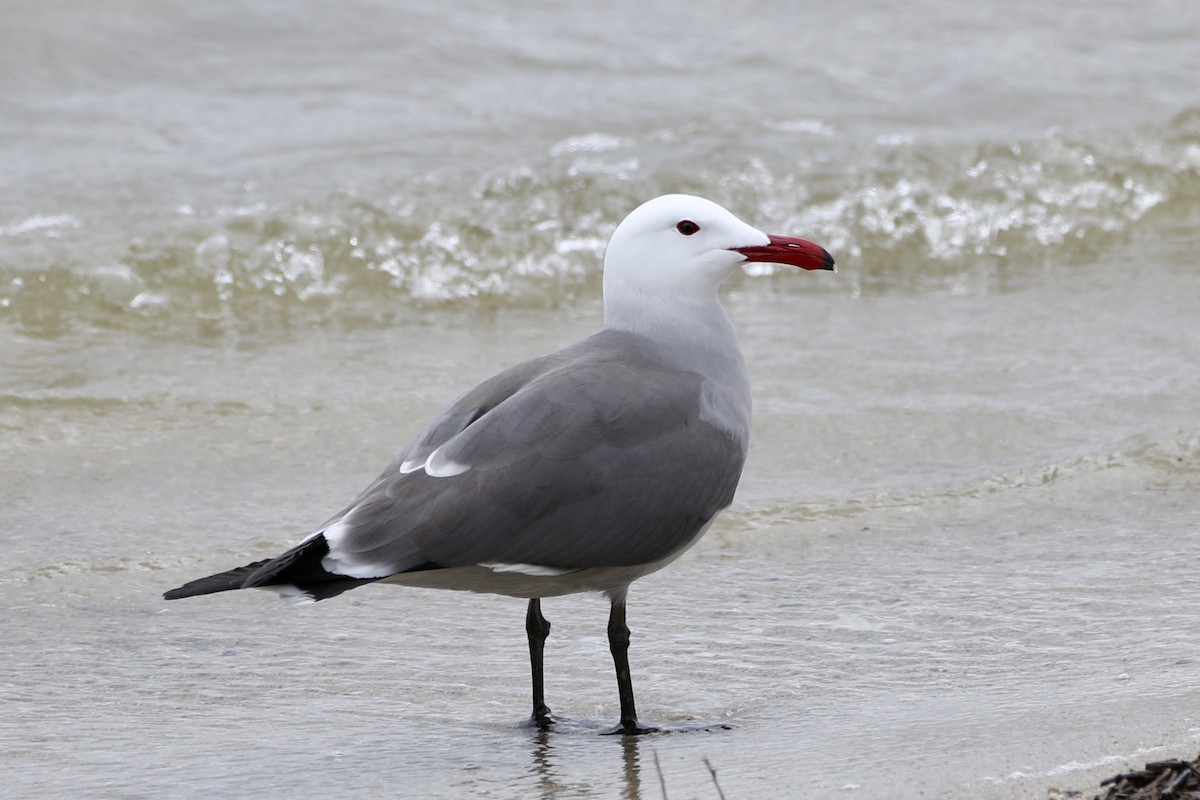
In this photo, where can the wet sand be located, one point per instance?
(995, 637)
(246, 250)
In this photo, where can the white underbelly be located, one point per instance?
(529, 581)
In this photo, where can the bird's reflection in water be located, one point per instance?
(632, 790)
(549, 779)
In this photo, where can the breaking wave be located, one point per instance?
(1166, 456)
(894, 213)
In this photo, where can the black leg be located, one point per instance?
(537, 628)
(618, 642)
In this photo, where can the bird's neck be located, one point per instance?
(697, 318)
(693, 334)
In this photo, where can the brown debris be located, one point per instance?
(1174, 779)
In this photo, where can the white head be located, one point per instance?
(676, 250)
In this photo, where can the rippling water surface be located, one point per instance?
(246, 252)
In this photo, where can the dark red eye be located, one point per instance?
(687, 227)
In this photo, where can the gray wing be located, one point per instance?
(595, 456)
(467, 409)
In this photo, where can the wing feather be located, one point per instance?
(580, 459)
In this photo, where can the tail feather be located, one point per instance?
(299, 567)
(219, 582)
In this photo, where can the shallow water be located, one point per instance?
(245, 254)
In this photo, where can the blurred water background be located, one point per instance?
(247, 249)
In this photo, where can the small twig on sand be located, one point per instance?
(662, 782)
(1174, 779)
(713, 771)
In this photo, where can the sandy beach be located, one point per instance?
(246, 253)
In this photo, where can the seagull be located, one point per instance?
(579, 471)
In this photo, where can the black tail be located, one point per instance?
(299, 567)
(221, 582)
